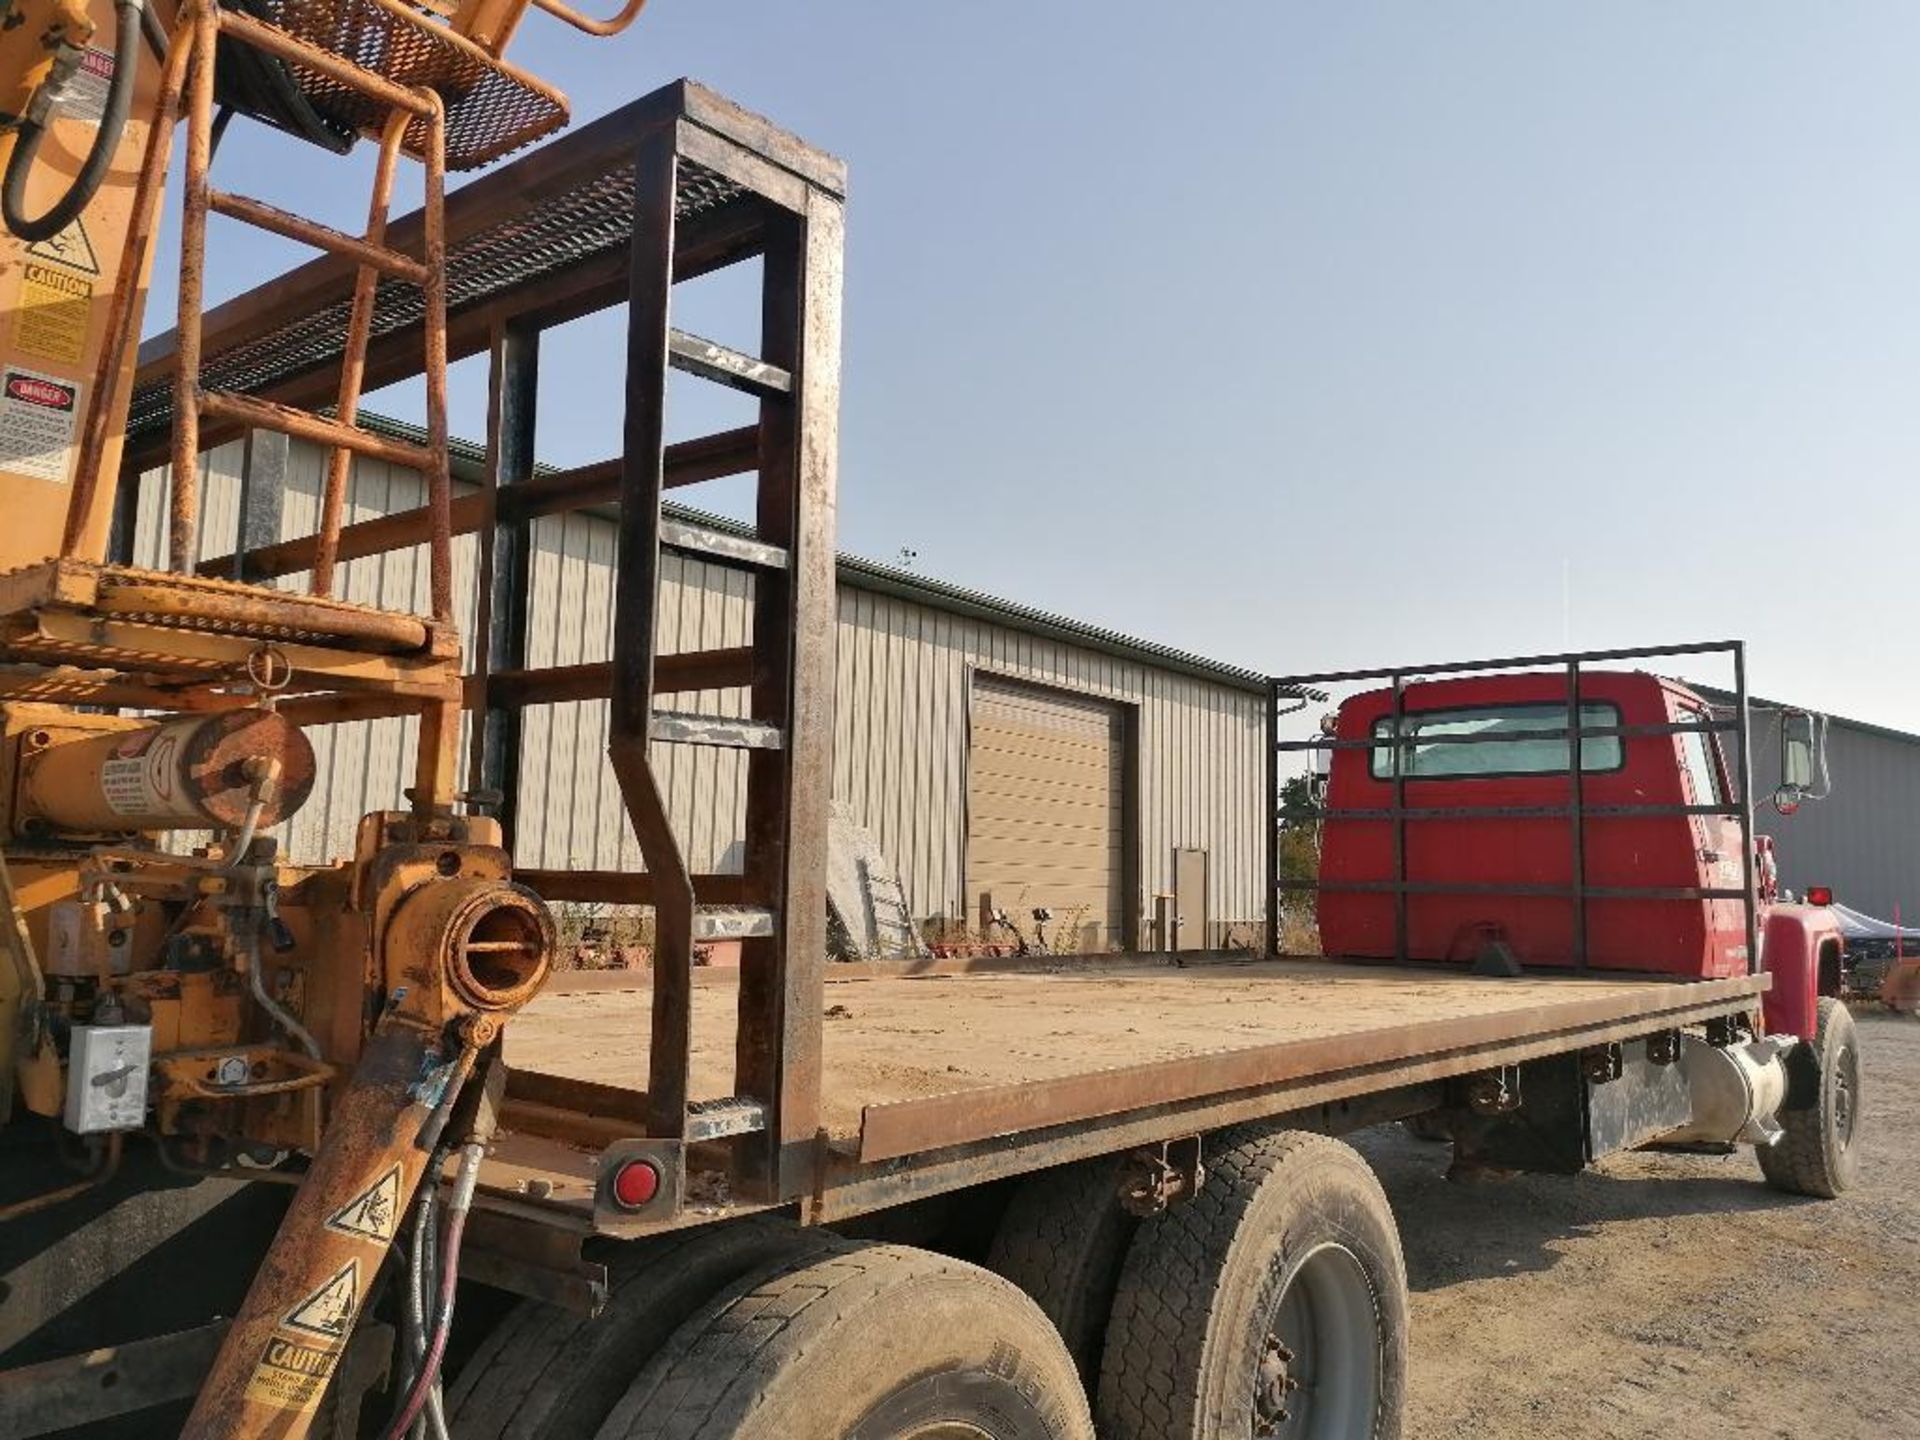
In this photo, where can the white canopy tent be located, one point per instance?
(1856, 926)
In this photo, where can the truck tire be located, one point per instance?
(1817, 1156)
(874, 1342)
(1062, 1240)
(550, 1374)
(1273, 1302)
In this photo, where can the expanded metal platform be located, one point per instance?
(547, 236)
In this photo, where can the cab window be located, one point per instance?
(1703, 774)
(1527, 754)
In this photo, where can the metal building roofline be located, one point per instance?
(1865, 727)
(976, 604)
(469, 460)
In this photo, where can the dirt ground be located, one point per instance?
(1670, 1295)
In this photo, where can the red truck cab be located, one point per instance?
(1489, 843)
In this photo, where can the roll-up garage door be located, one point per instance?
(1045, 799)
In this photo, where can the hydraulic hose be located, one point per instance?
(423, 1282)
(428, 1373)
(256, 982)
(106, 138)
(156, 33)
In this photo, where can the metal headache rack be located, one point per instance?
(677, 185)
(1576, 812)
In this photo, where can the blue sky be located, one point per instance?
(1315, 335)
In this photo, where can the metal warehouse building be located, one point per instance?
(987, 748)
(1864, 838)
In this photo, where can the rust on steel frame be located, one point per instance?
(731, 190)
(507, 109)
(409, 108)
(673, 186)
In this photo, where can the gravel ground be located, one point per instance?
(1670, 1295)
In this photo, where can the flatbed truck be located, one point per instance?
(1012, 1197)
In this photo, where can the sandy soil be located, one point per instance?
(1670, 1295)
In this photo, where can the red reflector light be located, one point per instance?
(1819, 895)
(635, 1184)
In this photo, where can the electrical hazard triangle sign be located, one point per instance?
(329, 1310)
(373, 1214)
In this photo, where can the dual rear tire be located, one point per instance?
(869, 1342)
(1273, 1303)
(545, 1373)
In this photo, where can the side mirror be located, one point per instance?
(1796, 750)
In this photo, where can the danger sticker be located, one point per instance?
(86, 97)
(373, 1214)
(328, 1311)
(291, 1375)
(39, 415)
(55, 308)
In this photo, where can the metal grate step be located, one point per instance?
(372, 48)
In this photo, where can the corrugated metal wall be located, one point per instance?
(1864, 839)
(905, 673)
(904, 683)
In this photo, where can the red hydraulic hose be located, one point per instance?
(429, 1371)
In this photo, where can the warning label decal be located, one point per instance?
(72, 247)
(373, 1214)
(291, 1376)
(86, 97)
(39, 415)
(328, 1311)
(50, 321)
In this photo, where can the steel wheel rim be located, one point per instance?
(1317, 1373)
(1846, 1095)
(946, 1430)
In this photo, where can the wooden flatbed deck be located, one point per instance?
(929, 1064)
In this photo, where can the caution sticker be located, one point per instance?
(39, 415)
(328, 1311)
(291, 1375)
(50, 322)
(72, 247)
(373, 1214)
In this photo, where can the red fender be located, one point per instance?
(1795, 940)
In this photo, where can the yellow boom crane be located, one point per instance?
(203, 990)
